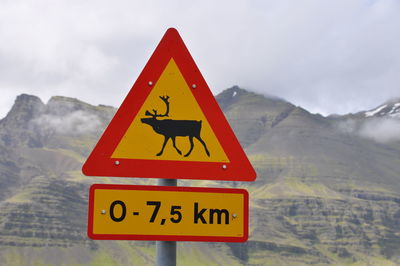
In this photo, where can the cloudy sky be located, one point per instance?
(326, 56)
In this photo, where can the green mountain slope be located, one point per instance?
(323, 191)
(322, 196)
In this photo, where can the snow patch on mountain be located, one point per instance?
(395, 112)
(389, 109)
(375, 111)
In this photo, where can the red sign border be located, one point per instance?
(168, 237)
(100, 163)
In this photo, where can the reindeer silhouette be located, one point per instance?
(171, 129)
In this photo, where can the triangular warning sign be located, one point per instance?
(170, 126)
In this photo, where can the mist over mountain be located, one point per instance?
(327, 190)
(381, 124)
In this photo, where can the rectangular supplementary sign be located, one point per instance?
(128, 212)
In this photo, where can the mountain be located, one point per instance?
(326, 192)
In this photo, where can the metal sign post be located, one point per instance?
(166, 250)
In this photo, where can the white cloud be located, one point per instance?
(74, 123)
(381, 130)
(328, 56)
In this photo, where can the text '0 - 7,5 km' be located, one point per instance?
(168, 213)
(199, 214)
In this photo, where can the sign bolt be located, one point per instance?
(150, 83)
(224, 166)
(194, 86)
(234, 215)
(103, 211)
(116, 162)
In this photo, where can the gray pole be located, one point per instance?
(166, 250)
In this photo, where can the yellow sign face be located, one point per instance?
(170, 125)
(172, 213)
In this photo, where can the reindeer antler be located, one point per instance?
(165, 100)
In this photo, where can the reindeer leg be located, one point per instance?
(163, 146)
(204, 145)
(173, 142)
(191, 146)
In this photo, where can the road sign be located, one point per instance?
(170, 126)
(128, 212)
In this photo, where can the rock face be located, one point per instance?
(15, 126)
(325, 193)
(42, 149)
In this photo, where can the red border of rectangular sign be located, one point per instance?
(168, 237)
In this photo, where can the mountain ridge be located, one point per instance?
(225, 99)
